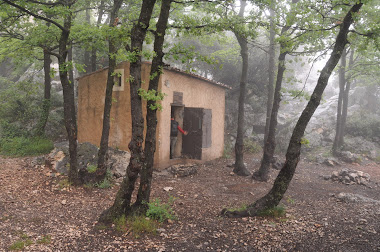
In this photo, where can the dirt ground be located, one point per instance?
(32, 206)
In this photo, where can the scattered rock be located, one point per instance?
(348, 177)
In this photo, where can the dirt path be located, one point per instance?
(35, 209)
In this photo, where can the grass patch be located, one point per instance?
(22, 146)
(275, 212)
(21, 243)
(242, 207)
(142, 225)
(46, 239)
(160, 211)
(64, 183)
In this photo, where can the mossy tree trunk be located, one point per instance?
(281, 184)
(122, 203)
(112, 49)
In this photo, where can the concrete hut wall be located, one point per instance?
(196, 93)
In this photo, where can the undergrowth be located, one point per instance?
(24, 146)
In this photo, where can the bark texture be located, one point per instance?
(112, 49)
(240, 168)
(281, 184)
(122, 203)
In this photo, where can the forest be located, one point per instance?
(298, 154)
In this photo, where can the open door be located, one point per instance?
(192, 123)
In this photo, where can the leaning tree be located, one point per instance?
(281, 184)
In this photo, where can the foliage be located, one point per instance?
(152, 95)
(91, 168)
(275, 212)
(304, 141)
(22, 146)
(251, 146)
(160, 211)
(364, 125)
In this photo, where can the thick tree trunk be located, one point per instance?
(285, 176)
(112, 49)
(40, 131)
(122, 203)
(271, 74)
(342, 83)
(240, 168)
(151, 116)
(263, 173)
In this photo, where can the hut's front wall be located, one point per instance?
(197, 93)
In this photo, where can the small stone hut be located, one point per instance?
(198, 104)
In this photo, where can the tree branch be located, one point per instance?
(34, 14)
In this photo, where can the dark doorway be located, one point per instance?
(192, 123)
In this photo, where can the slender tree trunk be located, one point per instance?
(46, 102)
(285, 176)
(94, 49)
(342, 84)
(122, 203)
(151, 116)
(271, 66)
(263, 173)
(68, 101)
(345, 101)
(87, 53)
(240, 168)
(112, 49)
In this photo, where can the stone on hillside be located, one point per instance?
(350, 197)
(116, 160)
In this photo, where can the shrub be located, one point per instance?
(251, 146)
(23, 146)
(364, 125)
